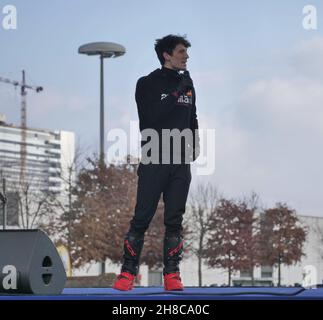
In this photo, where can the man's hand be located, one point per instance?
(196, 152)
(185, 84)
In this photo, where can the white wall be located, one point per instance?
(311, 263)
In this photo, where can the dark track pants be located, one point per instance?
(173, 180)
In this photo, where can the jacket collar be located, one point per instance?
(169, 72)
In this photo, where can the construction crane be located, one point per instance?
(23, 119)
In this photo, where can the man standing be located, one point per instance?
(166, 103)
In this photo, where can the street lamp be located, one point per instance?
(104, 50)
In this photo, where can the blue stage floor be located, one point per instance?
(189, 293)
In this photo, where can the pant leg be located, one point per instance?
(152, 179)
(175, 197)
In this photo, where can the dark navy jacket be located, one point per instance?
(160, 107)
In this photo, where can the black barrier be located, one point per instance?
(29, 263)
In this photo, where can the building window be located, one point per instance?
(266, 271)
(245, 274)
(155, 278)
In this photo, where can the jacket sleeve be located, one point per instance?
(150, 105)
(194, 127)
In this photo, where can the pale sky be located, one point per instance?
(258, 76)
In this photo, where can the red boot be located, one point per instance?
(124, 281)
(173, 281)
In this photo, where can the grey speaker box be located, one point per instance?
(30, 264)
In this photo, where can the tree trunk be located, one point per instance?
(102, 270)
(200, 259)
(69, 246)
(200, 270)
(27, 211)
(279, 271)
(229, 280)
(252, 277)
(229, 276)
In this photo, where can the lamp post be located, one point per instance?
(104, 50)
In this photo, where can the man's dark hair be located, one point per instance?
(168, 44)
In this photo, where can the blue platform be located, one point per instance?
(189, 293)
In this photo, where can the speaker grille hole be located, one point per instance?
(47, 277)
(47, 262)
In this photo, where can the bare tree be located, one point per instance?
(318, 230)
(60, 207)
(31, 202)
(27, 199)
(202, 204)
